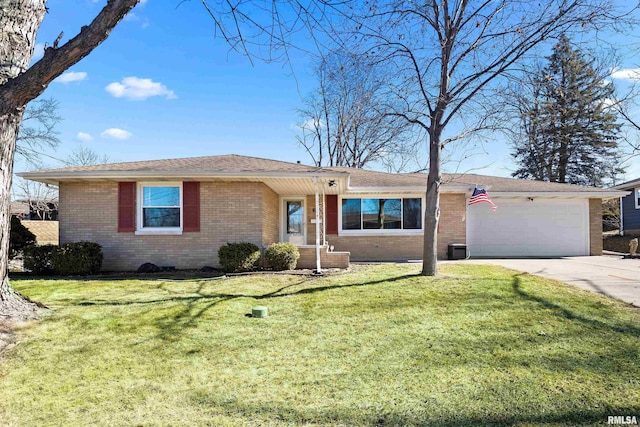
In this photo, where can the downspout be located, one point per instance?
(318, 266)
(621, 218)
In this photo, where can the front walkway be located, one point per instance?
(608, 275)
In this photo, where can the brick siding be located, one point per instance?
(46, 232)
(230, 212)
(327, 259)
(246, 211)
(595, 226)
(270, 216)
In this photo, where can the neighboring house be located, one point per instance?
(630, 207)
(35, 210)
(20, 209)
(42, 223)
(179, 212)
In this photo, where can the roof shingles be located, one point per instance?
(236, 164)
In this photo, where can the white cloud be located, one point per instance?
(38, 52)
(131, 16)
(71, 76)
(83, 136)
(626, 73)
(116, 133)
(138, 89)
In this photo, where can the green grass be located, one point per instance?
(477, 345)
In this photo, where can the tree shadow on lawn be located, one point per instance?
(171, 328)
(416, 416)
(567, 313)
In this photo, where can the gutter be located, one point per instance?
(604, 194)
(621, 218)
(412, 189)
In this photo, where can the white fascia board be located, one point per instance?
(132, 175)
(410, 189)
(605, 194)
(627, 185)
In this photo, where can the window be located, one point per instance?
(382, 214)
(351, 214)
(160, 207)
(636, 194)
(295, 217)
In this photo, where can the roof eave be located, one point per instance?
(54, 178)
(409, 189)
(627, 185)
(604, 194)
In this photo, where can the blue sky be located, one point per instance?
(164, 86)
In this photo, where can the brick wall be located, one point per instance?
(46, 231)
(327, 259)
(379, 248)
(270, 216)
(229, 212)
(595, 226)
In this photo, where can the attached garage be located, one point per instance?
(528, 227)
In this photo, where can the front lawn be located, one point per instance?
(478, 345)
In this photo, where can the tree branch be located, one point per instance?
(17, 92)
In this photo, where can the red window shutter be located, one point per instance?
(332, 213)
(191, 206)
(126, 207)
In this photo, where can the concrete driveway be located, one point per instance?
(607, 275)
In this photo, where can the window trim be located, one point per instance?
(140, 229)
(381, 232)
(636, 196)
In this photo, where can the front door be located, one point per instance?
(294, 223)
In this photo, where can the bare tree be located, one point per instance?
(625, 104)
(41, 198)
(450, 55)
(347, 120)
(38, 129)
(20, 84)
(85, 156)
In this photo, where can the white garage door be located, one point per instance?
(523, 228)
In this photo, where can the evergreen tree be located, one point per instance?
(569, 132)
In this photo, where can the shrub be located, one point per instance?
(20, 237)
(37, 259)
(239, 256)
(78, 258)
(282, 256)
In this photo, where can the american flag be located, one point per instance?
(479, 196)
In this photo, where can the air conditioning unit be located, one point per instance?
(457, 251)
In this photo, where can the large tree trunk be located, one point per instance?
(12, 305)
(19, 23)
(432, 208)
